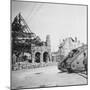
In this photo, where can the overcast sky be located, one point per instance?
(57, 20)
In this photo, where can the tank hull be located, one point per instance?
(74, 61)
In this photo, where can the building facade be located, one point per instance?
(27, 46)
(41, 54)
(68, 44)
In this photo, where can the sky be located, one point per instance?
(57, 20)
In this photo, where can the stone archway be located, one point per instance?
(45, 57)
(37, 57)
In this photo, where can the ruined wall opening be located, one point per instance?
(37, 57)
(45, 57)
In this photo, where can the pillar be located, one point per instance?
(33, 58)
(41, 58)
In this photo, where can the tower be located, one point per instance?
(48, 42)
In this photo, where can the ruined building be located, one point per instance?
(28, 44)
(65, 47)
(41, 53)
(68, 44)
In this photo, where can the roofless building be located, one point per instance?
(24, 40)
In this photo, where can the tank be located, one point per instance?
(75, 61)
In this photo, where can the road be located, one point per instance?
(44, 77)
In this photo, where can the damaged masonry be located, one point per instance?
(26, 46)
(48, 45)
(29, 51)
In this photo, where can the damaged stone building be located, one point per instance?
(28, 44)
(41, 53)
(65, 47)
(69, 44)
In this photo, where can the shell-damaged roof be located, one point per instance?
(21, 31)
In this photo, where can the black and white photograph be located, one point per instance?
(49, 44)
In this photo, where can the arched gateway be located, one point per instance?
(37, 57)
(41, 53)
(45, 57)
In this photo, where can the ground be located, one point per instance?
(45, 77)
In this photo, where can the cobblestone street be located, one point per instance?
(45, 77)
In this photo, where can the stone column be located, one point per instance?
(33, 58)
(50, 57)
(41, 58)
